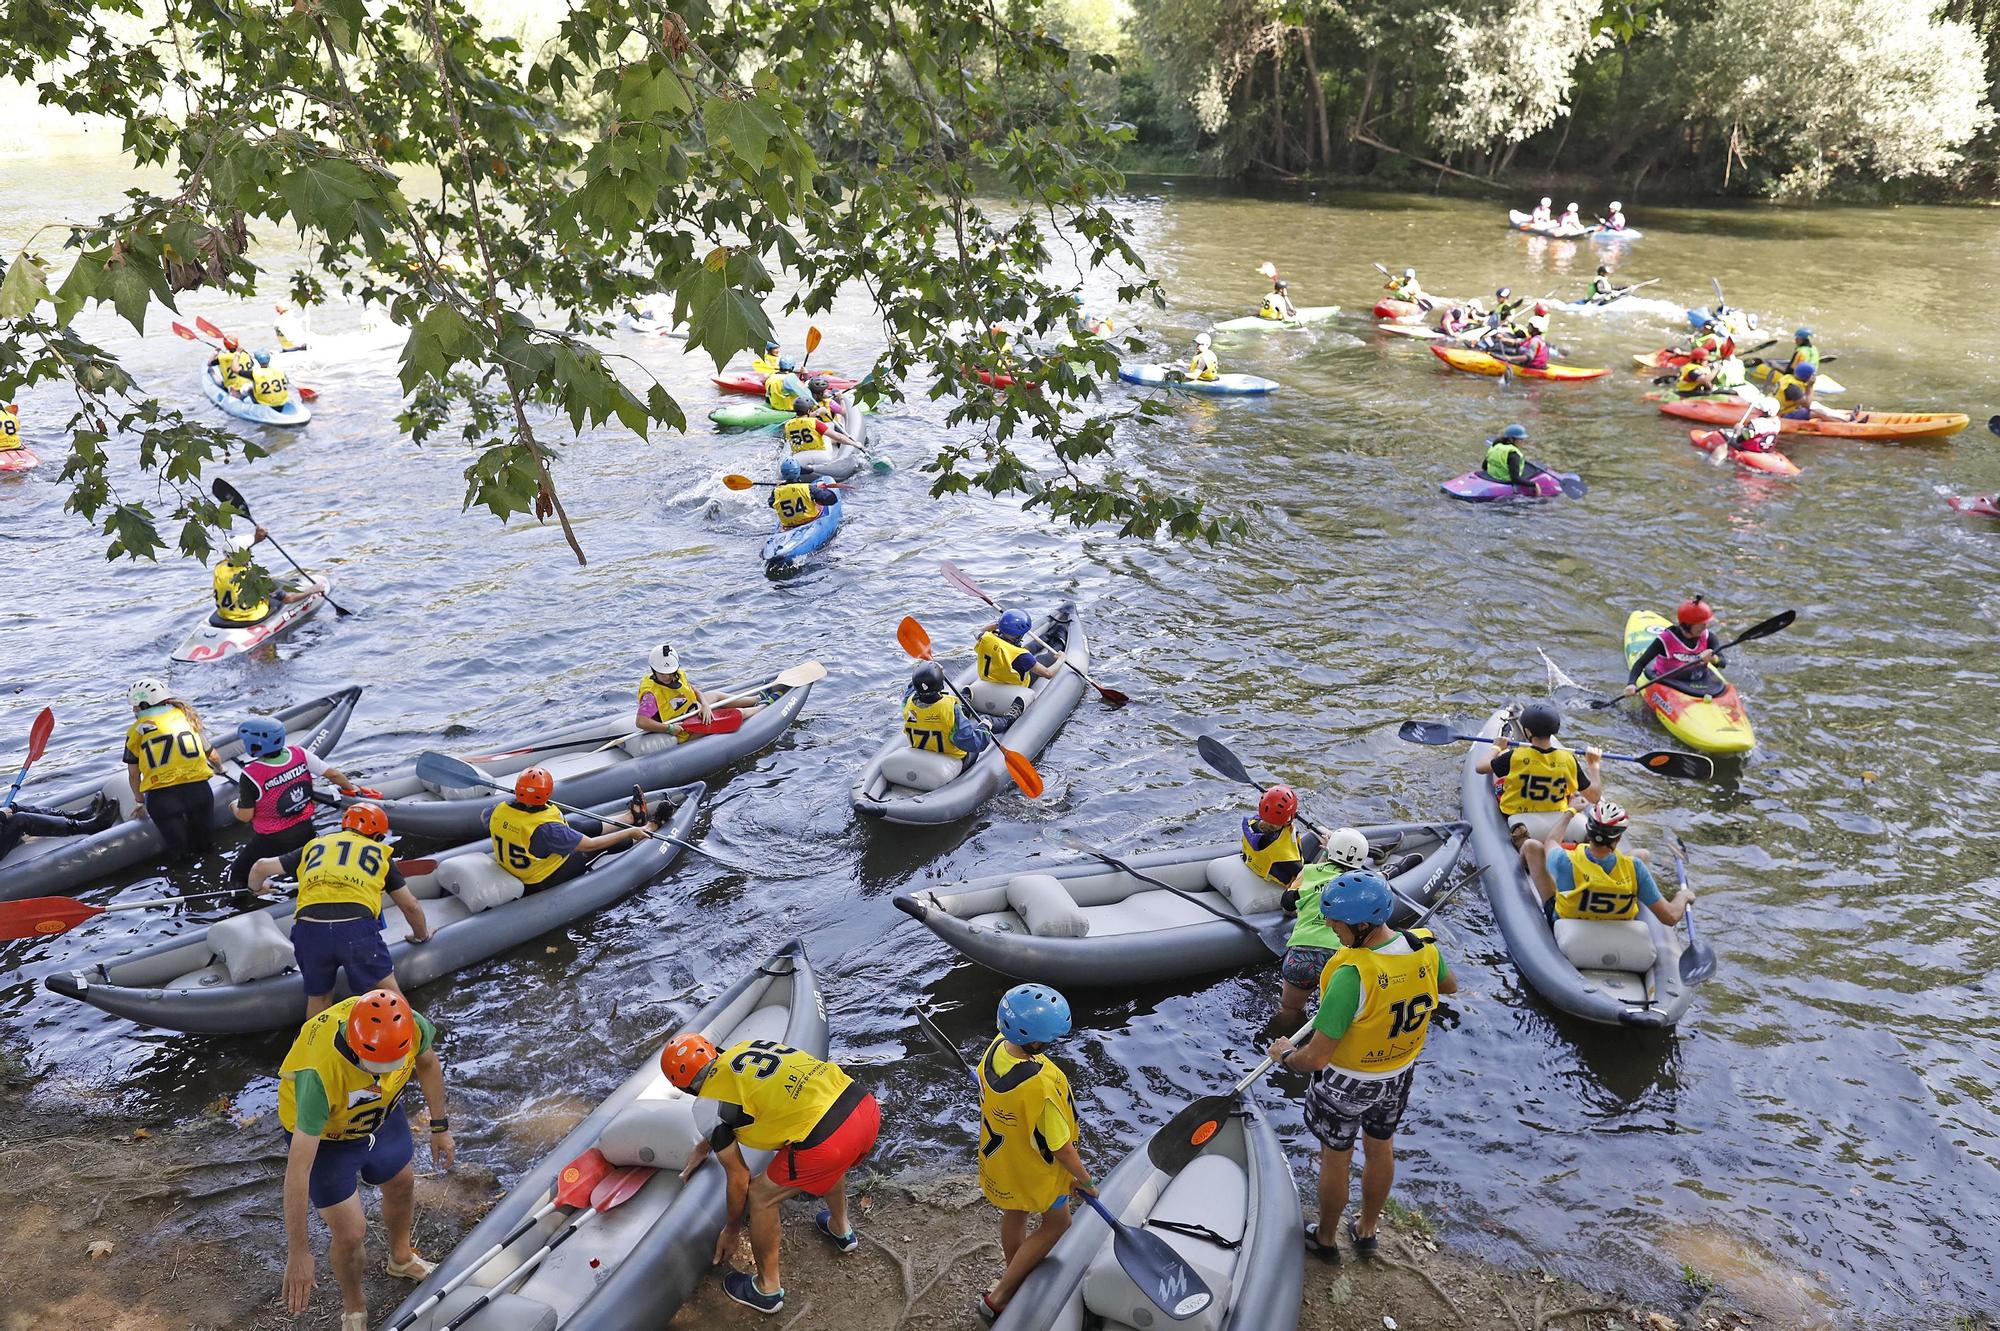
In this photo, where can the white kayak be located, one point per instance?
(293, 412)
(645, 323)
(215, 639)
(1223, 385)
(1256, 323)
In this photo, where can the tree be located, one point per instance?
(1509, 68)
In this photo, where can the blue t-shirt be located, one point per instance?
(562, 839)
(1564, 873)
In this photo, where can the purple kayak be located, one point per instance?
(1479, 488)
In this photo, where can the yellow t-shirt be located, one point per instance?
(785, 1091)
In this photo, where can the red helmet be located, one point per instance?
(1699, 355)
(685, 1058)
(534, 786)
(380, 1027)
(1541, 308)
(1694, 613)
(367, 819)
(1278, 807)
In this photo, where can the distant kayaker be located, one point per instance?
(1539, 780)
(820, 1123)
(268, 385)
(767, 364)
(1313, 942)
(20, 821)
(796, 502)
(1804, 352)
(1028, 1161)
(168, 763)
(338, 1090)
(233, 606)
(1597, 881)
(1571, 219)
(1544, 212)
(10, 428)
(274, 793)
(1459, 320)
(1505, 462)
(1603, 290)
(1377, 996)
(1687, 642)
(1504, 307)
(1759, 434)
(808, 432)
(1616, 220)
(1532, 351)
(1407, 288)
(1203, 364)
(1696, 377)
(1005, 661)
(1271, 837)
(1278, 304)
(337, 924)
(932, 721)
(532, 841)
(782, 387)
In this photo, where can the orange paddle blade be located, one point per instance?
(182, 330)
(812, 339)
(1024, 773)
(735, 482)
(615, 1188)
(38, 917)
(910, 634)
(207, 327)
(580, 1178)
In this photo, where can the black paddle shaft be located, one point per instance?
(233, 497)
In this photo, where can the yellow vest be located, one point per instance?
(802, 433)
(357, 1099)
(1203, 366)
(513, 828)
(795, 504)
(169, 749)
(1271, 309)
(10, 427)
(228, 593)
(929, 726)
(1018, 1171)
(1539, 780)
(996, 661)
(785, 1091)
(1284, 848)
(765, 365)
(269, 385)
(671, 703)
(1602, 892)
(1693, 377)
(775, 392)
(234, 366)
(1398, 995)
(343, 867)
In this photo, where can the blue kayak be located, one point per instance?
(786, 547)
(1223, 385)
(294, 412)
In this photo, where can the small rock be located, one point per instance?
(551, 949)
(1548, 1279)
(99, 1248)
(1662, 1322)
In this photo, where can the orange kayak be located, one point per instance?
(1771, 464)
(1886, 425)
(1478, 362)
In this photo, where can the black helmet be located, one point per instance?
(1603, 271)
(1541, 720)
(928, 682)
(1505, 293)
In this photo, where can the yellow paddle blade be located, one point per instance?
(736, 482)
(812, 339)
(910, 634)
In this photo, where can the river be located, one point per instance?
(1820, 1132)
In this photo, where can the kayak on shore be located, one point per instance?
(1467, 361)
(1709, 722)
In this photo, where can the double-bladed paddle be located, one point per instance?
(230, 495)
(1223, 760)
(309, 394)
(733, 481)
(43, 917)
(613, 1190)
(39, 731)
(1660, 762)
(965, 584)
(1161, 1274)
(1698, 962)
(725, 716)
(1993, 424)
(910, 635)
(441, 769)
(1777, 623)
(1274, 940)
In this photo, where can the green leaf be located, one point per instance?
(26, 286)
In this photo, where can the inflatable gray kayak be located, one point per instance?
(1079, 923)
(591, 762)
(237, 976)
(645, 1257)
(1232, 1213)
(46, 866)
(905, 785)
(1625, 973)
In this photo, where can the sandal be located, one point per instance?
(1326, 1252)
(414, 1269)
(1362, 1247)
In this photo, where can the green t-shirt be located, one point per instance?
(1341, 999)
(310, 1092)
(1311, 928)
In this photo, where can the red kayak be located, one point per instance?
(1403, 311)
(1771, 464)
(751, 382)
(1982, 506)
(18, 459)
(992, 380)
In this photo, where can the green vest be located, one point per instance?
(1312, 930)
(1500, 458)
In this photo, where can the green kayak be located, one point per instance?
(1250, 323)
(747, 415)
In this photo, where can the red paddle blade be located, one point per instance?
(38, 735)
(40, 916)
(182, 330)
(726, 721)
(912, 638)
(963, 583)
(1024, 773)
(1114, 697)
(411, 868)
(309, 394)
(580, 1177)
(208, 327)
(616, 1188)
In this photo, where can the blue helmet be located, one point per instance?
(1360, 897)
(1014, 625)
(787, 364)
(1805, 373)
(770, 344)
(1704, 320)
(788, 470)
(1802, 334)
(262, 736)
(1032, 1014)
(263, 358)
(1515, 432)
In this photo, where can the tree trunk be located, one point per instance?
(1359, 125)
(1278, 98)
(1325, 159)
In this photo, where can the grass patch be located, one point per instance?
(1411, 1218)
(1698, 1284)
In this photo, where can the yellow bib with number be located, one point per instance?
(929, 726)
(1539, 780)
(670, 702)
(343, 867)
(1398, 994)
(269, 385)
(1017, 1169)
(513, 829)
(795, 504)
(785, 1091)
(996, 661)
(1283, 849)
(1602, 891)
(1203, 366)
(10, 427)
(169, 749)
(1271, 309)
(802, 433)
(229, 596)
(357, 1100)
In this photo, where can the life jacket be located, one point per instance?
(1805, 355)
(1539, 780)
(10, 427)
(1540, 214)
(229, 595)
(513, 828)
(1399, 992)
(269, 385)
(1501, 454)
(168, 747)
(765, 365)
(1601, 286)
(1602, 892)
(785, 1091)
(803, 433)
(1615, 222)
(357, 1100)
(1728, 374)
(996, 661)
(930, 726)
(1282, 848)
(670, 702)
(1017, 1169)
(1569, 219)
(284, 790)
(795, 504)
(1310, 928)
(1675, 653)
(781, 390)
(1203, 366)
(1535, 352)
(344, 868)
(234, 367)
(1273, 308)
(1694, 378)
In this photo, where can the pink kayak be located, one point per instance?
(1982, 506)
(751, 382)
(1403, 311)
(1479, 488)
(18, 459)
(1769, 463)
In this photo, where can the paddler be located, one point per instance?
(20, 821)
(1409, 289)
(168, 763)
(274, 793)
(1544, 212)
(1571, 219)
(1696, 377)
(1685, 642)
(268, 386)
(1203, 364)
(532, 841)
(667, 698)
(1271, 838)
(932, 721)
(1540, 779)
(796, 502)
(337, 924)
(1616, 221)
(808, 431)
(767, 364)
(1803, 353)
(1005, 661)
(1532, 351)
(1602, 289)
(1505, 462)
(233, 606)
(1028, 1162)
(1596, 880)
(819, 1122)
(1459, 320)
(232, 364)
(1313, 942)
(1377, 996)
(10, 427)
(782, 386)
(337, 1095)
(1759, 434)
(1278, 304)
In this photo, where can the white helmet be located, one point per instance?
(1605, 821)
(1547, 202)
(665, 660)
(1476, 305)
(1347, 848)
(1202, 339)
(1751, 320)
(1572, 208)
(1617, 206)
(1540, 323)
(1409, 272)
(148, 693)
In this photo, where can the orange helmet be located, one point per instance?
(686, 1057)
(381, 1028)
(367, 819)
(534, 786)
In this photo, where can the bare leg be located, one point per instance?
(316, 1004)
(1028, 1252)
(1334, 1167)
(349, 1228)
(765, 1231)
(836, 1206)
(399, 1206)
(1378, 1172)
(1292, 1003)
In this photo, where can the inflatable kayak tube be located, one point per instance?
(1655, 998)
(884, 789)
(18, 460)
(1767, 464)
(1711, 724)
(182, 984)
(644, 1258)
(1882, 426)
(751, 382)
(48, 866)
(1251, 323)
(1409, 330)
(1404, 311)
(1238, 1194)
(1981, 506)
(788, 547)
(215, 640)
(1763, 372)
(1610, 236)
(294, 412)
(1223, 385)
(1468, 361)
(1521, 221)
(1135, 934)
(828, 464)
(1478, 488)
(586, 771)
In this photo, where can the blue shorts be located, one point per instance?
(1302, 966)
(341, 1166)
(354, 946)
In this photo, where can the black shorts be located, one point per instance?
(185, 817)
(268, 845)
(1337, 1106)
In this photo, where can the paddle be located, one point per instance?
(441, 769)
(1775, 624)
(613, 1190)
(1224, 761)
(1159, 1272)
(910, 635)
(1660, 762)
(1277, 946)
(736, 482)
(42, 917)
(727, 718)
(812, 345)
(233, 497)
(1698, 962)
(966, 584)
(39, 731)
(309, 394)
(574, 1186)
(1993, 424)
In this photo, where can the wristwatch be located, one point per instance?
(440, 1125)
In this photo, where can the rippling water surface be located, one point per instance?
(1830, 1102)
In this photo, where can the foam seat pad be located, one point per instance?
(1250, 892)
(1607, 945)
(920, 769)
(654, 1130)
(1046, 906)
(251, 947)
(478, 881)
(998, 699)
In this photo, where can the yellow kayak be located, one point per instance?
(1708, 725)
(1764, 372)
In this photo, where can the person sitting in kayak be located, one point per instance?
(1030, 1169)
(1203, 364)
(20, 821)
(533, 843)
(809, 432)
(1684, 643)
(1532, 351)
(1596, 880)
(1407, 288)
(233, 606)
(1312, 941)
(1459, 320)
(1506, 463)
(932, 721)
(783, 387)
(1796, 402)
(168, 763)
(1271, 838)
(1616, 220)
(795, 502)
(667, 698)
(268, 385)
(1803, 353)
(1544, 212)
(767, 364)
(1004, 660)
(10, 428)
(231, 363)
(1571, 220)
(1697, 376)
(1278, 304)
(1602, 289)
(1540, 779)
(274, 795)
(1759, 434)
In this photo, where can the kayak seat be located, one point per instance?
(920, 769)
(478, 881)
(119, 790)
(507, 1312)
(1212, 1191)
(1703, 683)
(440, 912)
(992, 699)
(656, 1130)
(1046, 906)
(445, 792)
(250, 946)
(1607, 945)
(1247, 890)
(1149, 909)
